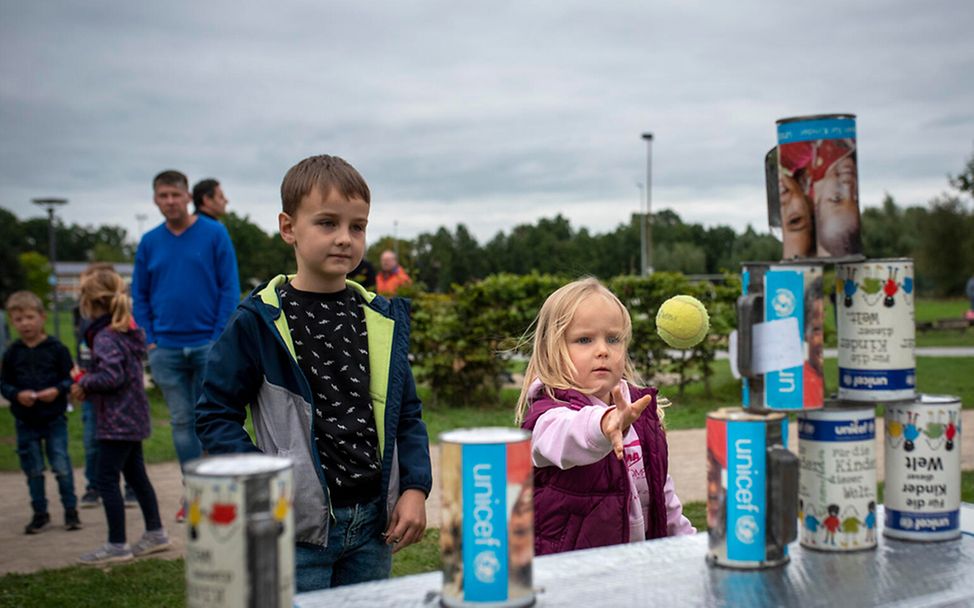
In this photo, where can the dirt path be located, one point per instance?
(55, 547)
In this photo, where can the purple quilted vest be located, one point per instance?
(588, 506)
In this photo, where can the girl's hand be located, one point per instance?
(408, 521)
(77, 393)
(617, 420)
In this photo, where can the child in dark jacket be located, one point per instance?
(114, 384)
(597, 441)
(36, 378)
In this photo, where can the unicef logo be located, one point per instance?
(906, 523)
(485, 566)
(783, 303)
(847, 380)
(746, 529)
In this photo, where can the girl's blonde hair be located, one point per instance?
(103, 290)
(550, 362)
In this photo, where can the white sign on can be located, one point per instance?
(923, 448)
(240, 531)
(837, 485)
(876, 330)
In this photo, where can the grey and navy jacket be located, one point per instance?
(253, 363)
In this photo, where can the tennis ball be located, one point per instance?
(682, 321)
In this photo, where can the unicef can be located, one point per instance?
(877, 332)
(922, 500)
(780, 317)
(487, 533)
(752, 489)
(837, 486)
(240, 545)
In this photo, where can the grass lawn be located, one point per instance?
(157, 582)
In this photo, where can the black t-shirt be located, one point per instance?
(331, 343)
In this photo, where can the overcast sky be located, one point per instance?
(489, 114)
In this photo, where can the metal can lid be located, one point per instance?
(782, 121)
(741, 414)
(486, 435)
(227, 465)
(926, 399)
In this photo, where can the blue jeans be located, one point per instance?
(356, 551)
(179, 373)
(32, 444)
(91, 444)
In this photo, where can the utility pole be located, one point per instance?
(50, 204)
(648, 217)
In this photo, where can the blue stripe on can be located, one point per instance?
(836, 430)
(829, 128)
(746, 491)
(877, 379)
(784, 297)
(485, 568)
(909, 521)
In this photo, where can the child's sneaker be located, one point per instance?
(39, 521)
(90, 500)
(151, 543)
(71, 520)
(107, 554)
(131, 501)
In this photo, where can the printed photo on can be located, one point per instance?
(819, 186)
(487, 534)
(923, 479)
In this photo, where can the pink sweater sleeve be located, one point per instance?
(567, 438)
(676, 523)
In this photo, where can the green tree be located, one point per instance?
(37, 273)
(12, 235)
(944, 249)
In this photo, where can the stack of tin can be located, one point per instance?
(813, 201)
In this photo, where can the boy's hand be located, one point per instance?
(617, 420)
(27, 398)
(408, 521)
(77, 393)
(47, 395)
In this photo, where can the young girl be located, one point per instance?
(598, 446)
(113, 383)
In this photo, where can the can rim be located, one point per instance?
(741, 414)
(229, 465)
(842, 115)
(485, 435)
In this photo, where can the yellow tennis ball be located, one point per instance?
(682, 321)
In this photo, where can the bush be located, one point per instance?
(462, 341)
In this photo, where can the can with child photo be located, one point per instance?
(487, 533)
(240, 545)
(818, 187)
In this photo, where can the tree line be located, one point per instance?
(939, 236)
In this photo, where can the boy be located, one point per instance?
(36, 379)
(323, 365)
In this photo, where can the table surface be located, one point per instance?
(673, 572)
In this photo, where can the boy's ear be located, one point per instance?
(286, 226)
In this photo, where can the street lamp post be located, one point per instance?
(642, 230)
(647, 225)
(50, 204)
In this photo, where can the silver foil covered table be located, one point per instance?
(672, 572)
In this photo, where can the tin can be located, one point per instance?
(922, 499)
(877, 331)
(752, 489)
(487, 533)
(240, 545)
(818, 187)
(837, 486)
(781, 309)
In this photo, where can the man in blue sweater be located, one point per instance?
(184, 289)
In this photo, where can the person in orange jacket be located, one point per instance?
(391, 276)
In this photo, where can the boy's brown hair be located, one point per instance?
(171, 177)
(19, 301)
(323, 172)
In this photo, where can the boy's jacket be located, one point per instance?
(253, 362)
